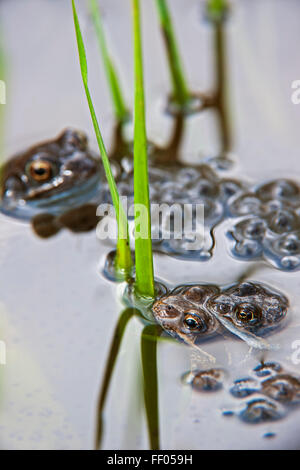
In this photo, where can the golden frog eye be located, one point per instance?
(40, 170)
(247, 313)
(193, 322)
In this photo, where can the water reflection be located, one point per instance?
(149, 336)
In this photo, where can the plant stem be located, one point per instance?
(123, 259)
(124, 318)
(180, 89)
(149, 364)
(121, 112)
(143, 244)
(221, 86)
(217, 10)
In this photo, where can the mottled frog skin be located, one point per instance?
(200, 311)
(250, 306)
(184, 313)
(51, 177)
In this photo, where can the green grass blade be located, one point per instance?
(121, 112)
(180, 89)
(149, 365)
(143, 245)
(124, 318)
(123, 260)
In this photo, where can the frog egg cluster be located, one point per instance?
(182, 189)
(267, 395)
(269, 224)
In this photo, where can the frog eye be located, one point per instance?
(247, 313)
(193, 322)
(40, 170)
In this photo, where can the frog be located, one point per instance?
(183, 313)
(250, 307)
(51, 177)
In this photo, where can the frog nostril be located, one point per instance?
(12, 187)
(165, 311)
(224, 308)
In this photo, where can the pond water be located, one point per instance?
(58, 312)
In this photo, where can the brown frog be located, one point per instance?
(183, 313)
(249, 306)
(51, 177)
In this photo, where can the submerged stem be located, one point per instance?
(123, 259)
(149, 364)
(124, 318)
(121, 112)
(180, 89)
(143, 242)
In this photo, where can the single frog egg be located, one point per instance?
(252, 228)
(282, 221)
(245, 204)
(282, 189)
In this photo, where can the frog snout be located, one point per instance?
(12, 188)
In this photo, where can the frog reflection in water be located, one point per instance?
(197, 312)
(45, 182)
